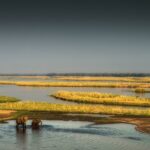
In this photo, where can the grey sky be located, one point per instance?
(75, 38)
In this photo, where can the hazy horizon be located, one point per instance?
(87, 36)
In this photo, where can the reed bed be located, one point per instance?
(101, 78)
(141, 90)
(77, 84)
(6, 99)
(8, 82)
(102, 98)
(63, 108)
(33, 77)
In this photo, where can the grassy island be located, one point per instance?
(65, 108)
(102, 98)
(7, 99)
(77, 84)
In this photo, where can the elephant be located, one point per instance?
(21, 121)
(36, 123)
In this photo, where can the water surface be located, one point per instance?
(71, 135)
(42, 93)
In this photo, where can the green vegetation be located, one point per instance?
(63, 108)
(6, 99)
(101, 98)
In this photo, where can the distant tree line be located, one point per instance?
(81, 74)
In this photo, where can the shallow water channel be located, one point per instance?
(73, 135)
(42, 93)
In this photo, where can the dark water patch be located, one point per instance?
(81, 131)
(134, 138)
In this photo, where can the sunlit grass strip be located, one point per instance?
(82, 84)
(77, 84)
(33, 77)
(101, 98)
(7, 82)
(93, 109)
(6, 99)
(96, 78)
(141, 90)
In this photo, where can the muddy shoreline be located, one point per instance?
(142, 124)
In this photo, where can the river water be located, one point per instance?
(73, 135)
(42, 93)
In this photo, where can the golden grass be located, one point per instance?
(33, 77)
(103, 78)
(77, 84)
(7, 82)
(6, 99)
(93, 109)
(101, 98)
(141, 90)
